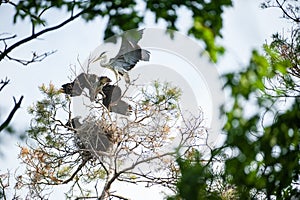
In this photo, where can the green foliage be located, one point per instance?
(264, 143)
(193, 182)
(206, 16)
(263, 129)
(163, 96)
(199, 179)
(44, 111)
(270, 163)
(208, 23)
(125, 15)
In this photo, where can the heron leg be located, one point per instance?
(116, 74)
(118, 78)
(102, 93)
(126, 77)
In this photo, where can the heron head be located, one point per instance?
(104, 80)
(102, 56)
(66, 88)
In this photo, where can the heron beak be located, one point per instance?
(100, 57)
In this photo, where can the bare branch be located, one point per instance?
(3, 83)
(35, 58)
(8, 37)
(118, 196)
(4, 184)
(289, 11)
(77, 170)
(10, 116)
(295, 19)
(35, 35)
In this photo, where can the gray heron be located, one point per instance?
(113, 102)
(92, 82)
(129, 54)
(111, 94)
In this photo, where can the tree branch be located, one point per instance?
(295, 19)
(7, 38)
(35, 58)
(10, 116)
(116, 175)
(77, 170)
(118, 196)
(4, 83)
(35, 35)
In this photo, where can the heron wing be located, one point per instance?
(74, 88)
(128, 60)
(127, 46)
(122, 108)
(130, 40)
(112, 100)
(112, 95)
(90, 82)
(130, 52)
(134, 35)
(87, 80)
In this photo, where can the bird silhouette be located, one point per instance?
(111, 94)
(129, 54)
(92, 82)
(113, 102)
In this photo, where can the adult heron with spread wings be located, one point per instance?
(129, 54)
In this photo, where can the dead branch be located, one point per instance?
(11, 114)
(3, 83)
(284, 10)
(35, 58)
(7, 50)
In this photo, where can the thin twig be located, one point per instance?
(35, 35)
(286, 13)
(4, 83)
(77, 170)
(35, 58)
(10, 116)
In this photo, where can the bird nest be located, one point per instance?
(94, 137)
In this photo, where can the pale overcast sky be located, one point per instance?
(246, 27)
